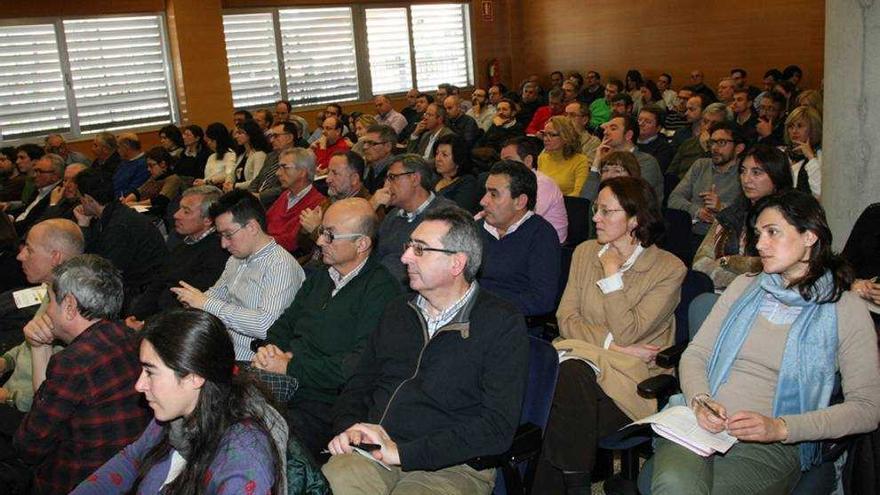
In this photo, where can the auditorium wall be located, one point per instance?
(674, 36)
(651, 35)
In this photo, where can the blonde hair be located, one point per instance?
(813, 119)
(811, 98)
(571, 141)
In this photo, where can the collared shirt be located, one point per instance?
(393, 118)
(86, 411)
(190, 240)
(429, 150)
(252, 292)
(445, 316)
(615, 282)
(494, 232)
(43, 192)
(293, 200)
(339, 280)
(410, 216)
(648, 140)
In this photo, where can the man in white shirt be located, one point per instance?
(260, 278)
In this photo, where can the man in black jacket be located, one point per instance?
(198, 260)
(116, 232)
(441, 380)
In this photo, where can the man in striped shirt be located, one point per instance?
(260, 278)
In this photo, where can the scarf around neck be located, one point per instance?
(809, 361)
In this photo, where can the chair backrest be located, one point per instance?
(695, 283)
(578, 211)
(699, 310)
(678, 234)
(543, 370)
(669, 183)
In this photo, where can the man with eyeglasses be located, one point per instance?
(713, 183)
(522, 252)
(65, 197)
(650, 140)
(296, 171)
(319, 337)
(579, 115)
(530, 102)
(592, 88)
(432, 127)
(343, 181)
(47, 176)
(441, 380)
(621, 134)
(265, 185)
(697, 146)
(409, 192)
(56, 144)
(379, 142)
(260, 278)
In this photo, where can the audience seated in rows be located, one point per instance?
(296, 172)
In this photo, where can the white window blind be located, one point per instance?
(32, 94)
(253, 59)
(119, 73)
(388, 48)
(319, 55)
(442, 45)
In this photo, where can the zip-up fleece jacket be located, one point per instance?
(447, 399)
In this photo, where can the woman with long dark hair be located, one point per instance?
(728, 250)
(213, 432)
(763, 364)
(221, 161)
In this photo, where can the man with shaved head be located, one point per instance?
(460, 123)
(318, 338)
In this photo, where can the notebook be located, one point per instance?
(679, 424)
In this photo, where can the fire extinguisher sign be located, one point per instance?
(487, 9)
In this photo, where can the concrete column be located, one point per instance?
(851, 127)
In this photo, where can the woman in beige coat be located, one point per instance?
(615, 314)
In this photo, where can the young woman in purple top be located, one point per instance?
(213, 430)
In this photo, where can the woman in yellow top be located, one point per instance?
(561, 159)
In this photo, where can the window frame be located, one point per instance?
(75, 133)
(362, 56)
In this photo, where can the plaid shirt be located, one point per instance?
(86, 411)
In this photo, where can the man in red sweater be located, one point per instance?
(330, 142)
(296, 170)
(556, 106)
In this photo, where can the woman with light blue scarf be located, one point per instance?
(763, 365)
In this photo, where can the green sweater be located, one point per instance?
(327, 334)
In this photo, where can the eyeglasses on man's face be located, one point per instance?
(419, 249)
(229, 235)
(330, 236)
(393, 177)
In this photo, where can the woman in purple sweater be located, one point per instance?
(213, 430)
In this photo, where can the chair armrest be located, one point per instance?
(669, 357)
(658, 386)
(526, 444)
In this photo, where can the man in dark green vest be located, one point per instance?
(319, 337)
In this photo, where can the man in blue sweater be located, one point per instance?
(522, 253)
